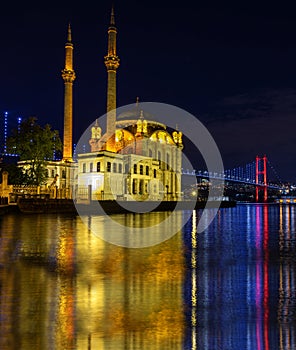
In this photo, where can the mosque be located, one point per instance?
(134, 159)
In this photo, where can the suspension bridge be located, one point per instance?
(254, 173)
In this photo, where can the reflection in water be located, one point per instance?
(229, 287)
(66, 285)
(71, 290)
(137, 298)
(287, 293)
(137, 230)
(237, 275)
(262, 282)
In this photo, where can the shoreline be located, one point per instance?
(43, 206)
(109, 207)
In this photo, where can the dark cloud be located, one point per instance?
(257, 123)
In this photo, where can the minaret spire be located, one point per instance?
(111, 63)
(112, 21)
(68, 76)
(69, 39)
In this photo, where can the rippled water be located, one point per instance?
(229, 287)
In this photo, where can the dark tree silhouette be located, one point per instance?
(34, 145)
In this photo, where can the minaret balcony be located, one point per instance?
(112, 62)
(68, 75)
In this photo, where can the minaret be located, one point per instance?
(111, 63)
(68, 75)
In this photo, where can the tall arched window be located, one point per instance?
(134, 189)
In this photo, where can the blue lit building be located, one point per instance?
(7, 123)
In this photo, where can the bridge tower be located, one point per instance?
(261, 175)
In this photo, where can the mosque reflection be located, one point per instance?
(72, 290)
(229, 287)
(136, 302)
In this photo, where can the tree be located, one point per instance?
(15, 174)
(35, 145)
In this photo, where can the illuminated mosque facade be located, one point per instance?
(135, 159)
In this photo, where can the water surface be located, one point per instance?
(229, 287)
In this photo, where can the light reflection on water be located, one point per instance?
(229, 287)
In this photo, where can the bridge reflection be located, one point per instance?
(236, 294)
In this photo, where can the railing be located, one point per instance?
(38, 191)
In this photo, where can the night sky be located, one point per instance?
(233, 67)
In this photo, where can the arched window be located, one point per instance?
(108, 167)
(91, 167)
(98, 167)
(135, 168)
(120, 168)
(154, 173)
(141, 170)
(114, 168)
(141, 187)
(134, 189)
(147, 170)
(84, 168)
